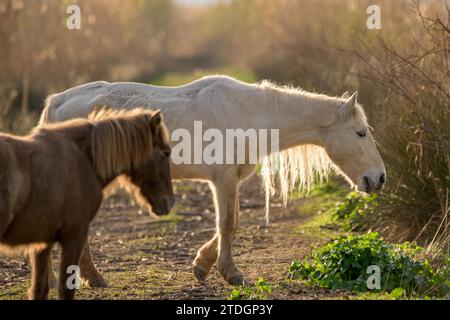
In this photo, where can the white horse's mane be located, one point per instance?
(270, 86)
(302, 166)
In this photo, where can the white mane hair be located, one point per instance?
(302, 166)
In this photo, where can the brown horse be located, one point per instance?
(52, 183)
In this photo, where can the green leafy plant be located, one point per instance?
(353, 208)
(398, 293)
(343, 263)
(257, 292)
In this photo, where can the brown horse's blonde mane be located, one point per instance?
(120, 140)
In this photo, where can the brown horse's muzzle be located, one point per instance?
(163, 207)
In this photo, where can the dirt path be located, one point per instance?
(147, 258)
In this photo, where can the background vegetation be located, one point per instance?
(402, 72)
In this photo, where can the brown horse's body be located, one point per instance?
(35, 190)
(52, 183)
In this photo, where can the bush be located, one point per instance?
(352, 209)
(413, 131)
(343, 263)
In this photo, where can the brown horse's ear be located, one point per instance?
(156, 119)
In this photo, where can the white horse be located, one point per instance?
(316, 133)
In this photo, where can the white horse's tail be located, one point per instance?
(298, 167)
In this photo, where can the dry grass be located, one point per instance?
(415, 131)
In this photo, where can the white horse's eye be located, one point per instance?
(361, 133)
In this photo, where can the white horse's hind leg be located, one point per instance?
(52, 278)
(89, 272)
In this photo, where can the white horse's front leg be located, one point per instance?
(206, 257)
(227, 225)
(226, 201)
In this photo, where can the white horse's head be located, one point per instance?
(351, 147)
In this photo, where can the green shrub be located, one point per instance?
(353, 208)
(343, 263)
(257, 292)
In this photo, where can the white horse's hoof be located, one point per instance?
(238, 280)
(98, 282)
(200, 274)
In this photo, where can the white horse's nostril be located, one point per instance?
(367, 185)
(382, 178)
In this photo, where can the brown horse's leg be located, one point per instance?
(89, 272)
(70, 256)
(39, 259)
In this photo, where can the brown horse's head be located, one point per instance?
(153, 178)
(134, 144)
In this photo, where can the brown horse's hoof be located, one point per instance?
(200, 274)
(238, 280)
(99, 282)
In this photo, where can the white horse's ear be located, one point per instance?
(350, 104)
(345, 95)
(352, 100)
